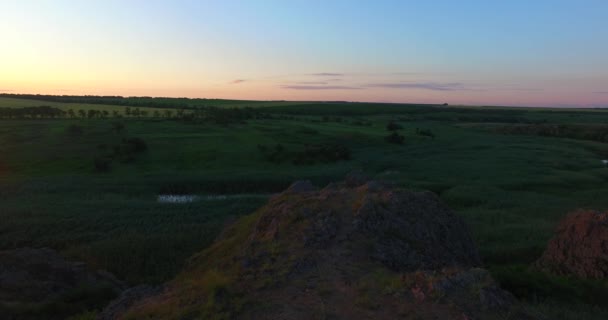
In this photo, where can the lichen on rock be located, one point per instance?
(354, 250)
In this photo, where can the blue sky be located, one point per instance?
(546, 53)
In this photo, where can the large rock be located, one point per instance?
(41, 284)
(349, 251)
(579, 247)
(300, 187)
(413, 231)
(126, 300)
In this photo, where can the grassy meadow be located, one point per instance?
(512, 189)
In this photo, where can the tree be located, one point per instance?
(102, 164)
(74, 130)
(425, 132)
(118, 127)
(82, 113)
(71, 113)
(136, 145)
(395, 138)
(128, 111)
(393, 126)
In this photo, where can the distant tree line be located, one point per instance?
(31, 112)
(222, 116)
(150, 102)
(582, 132)
(216, 115)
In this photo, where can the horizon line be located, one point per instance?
(12, 93)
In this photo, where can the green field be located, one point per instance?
(22, 103)
(511, 188)
(11, 101)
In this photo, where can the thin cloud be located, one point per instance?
(309, 87)
(600, 92)
(312, 82)
(328, 74)
(237, 81)
(454, 86)
(526, 89)
(406, 73)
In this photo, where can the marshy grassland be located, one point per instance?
(89, 186)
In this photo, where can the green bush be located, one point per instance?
(75, 130)
(393, 126)
(395, 138)
(102, 164)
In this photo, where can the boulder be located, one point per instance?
(356, 178)
(579, 247)
(300, 187)
(127, 299)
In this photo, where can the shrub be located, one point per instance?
(128, 149)
(425, 132)
(136, 145)
(393, 126)
(75, 130)
(395, 138)
(118, 127)
(102, 164)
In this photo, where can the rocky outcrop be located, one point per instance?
(301, 186)
(412, 230)
(579, 247)
(356, 250)
(127, 299)
(41, 284)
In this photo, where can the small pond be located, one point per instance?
(174, 198)
(190, 198)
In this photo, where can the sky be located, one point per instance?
(523, 53)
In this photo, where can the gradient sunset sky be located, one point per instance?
(537, 53)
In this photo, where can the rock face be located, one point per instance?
(40, 284)
(579, 248)
(127, 299)
(349, 251)
(412, 231)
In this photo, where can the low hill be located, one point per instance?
(354, 250)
